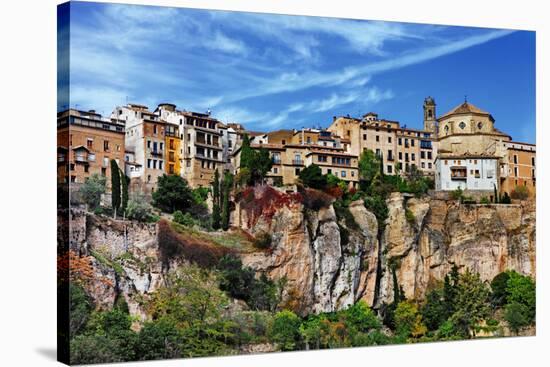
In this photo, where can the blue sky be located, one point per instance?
(276, 71)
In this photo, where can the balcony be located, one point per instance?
(80, 158)
(459, 173)
(390, 158)
(297, 162)
(276, 160)
(158, 153)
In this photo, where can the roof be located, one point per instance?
(465, 108)
(78, 147)
(467, 155)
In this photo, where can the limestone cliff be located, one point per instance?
(330, 257)
(424, 238)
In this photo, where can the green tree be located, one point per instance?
(521, 289)
(369, 166)
(495, 193)
(471, 304)
(159, 339)
(124, 195)
(173, 193)
(361, 317)
(434, 311)
(115, 187)
(247, 154)
(498, 289)
(227, 185)
(311, 176)
(517, 316)
(80, 309)
(216, 215)
(263, 163)
(285, 330)
(92, 189)
(408, 321)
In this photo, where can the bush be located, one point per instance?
(505, 199)
(516, 315)
(409, 215)
(315, 199)
(262, 240)
(92, 189)
(457, 194)
(183, 219)
(285, 330)
(138, 208)
(484, 200)
(311, 176)
(520, 193)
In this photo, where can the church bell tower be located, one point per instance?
(430, 122)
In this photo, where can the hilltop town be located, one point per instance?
(461, 149)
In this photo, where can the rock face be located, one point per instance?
(423, 239)
(330, 257)
(325, 270)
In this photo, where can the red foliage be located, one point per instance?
(315, 199)
(265, 201)
(335, 192)
(352, 191)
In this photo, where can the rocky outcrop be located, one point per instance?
(423, 239)
(325, 269)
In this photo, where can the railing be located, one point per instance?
(156, 152)
(276, 161)
(297, 162)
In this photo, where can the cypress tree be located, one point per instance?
(247, 154)
(227, 183)
(216, 217)
(115, 187)
(124, 181)
(496, 193)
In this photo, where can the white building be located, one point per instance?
(466, 171)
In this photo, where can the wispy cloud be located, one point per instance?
(263, 70)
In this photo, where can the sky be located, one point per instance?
(272, 72)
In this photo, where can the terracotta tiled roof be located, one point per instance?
(465, 107)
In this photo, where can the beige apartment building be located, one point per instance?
(400, 147)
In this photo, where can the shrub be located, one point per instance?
(505, 199)
(262, 240)
(484, 200)
(285, 330)
(520, 193)
(377, 205)
(138, 208)
(92, 189)
(184, 219)
(516, 315)
(457, 194)
(409, 215)
(311, 176)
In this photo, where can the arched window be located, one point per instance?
(462, 125)
(446, 129)
(479, 125)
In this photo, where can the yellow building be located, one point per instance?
(173, 149)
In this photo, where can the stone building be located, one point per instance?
(86, 143)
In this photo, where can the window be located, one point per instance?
(400, 156)
(389, 139)
(275, 170)
(446, 129)
(515, 159)
(429, 155)
(533, 161)
(462, 125)
(283, 141)
(161, 164)
(364, 136)
(399, 141)
(390, 154)
(71, 166)
(413, 156)
(148, 144)
(422, 155)
(477, 174)
(412, 142)
(172, 144)
(343, 173)
(105, 145)
(86, 169)
(423, 165)
(154, 164)
(90, 143)
(322, 158)
(429, 165)
(377, 138)
(104, 171)
(297, 171)
(516, 171)
(446, 162)
(329, 171)
(73, 178)
(352, 173)
(406, 157)
(378, 152)
(389, 168)
(308, 140)
(155, 129)
(161, 146)
(154, 146)
(148, 178)
(105, 161)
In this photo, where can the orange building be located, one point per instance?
(518, 167)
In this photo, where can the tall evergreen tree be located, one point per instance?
(115, 187)
(124, 196)
(247, 154)
(227, 184)
(216, 216)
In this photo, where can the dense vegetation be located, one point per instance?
(190, 316)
